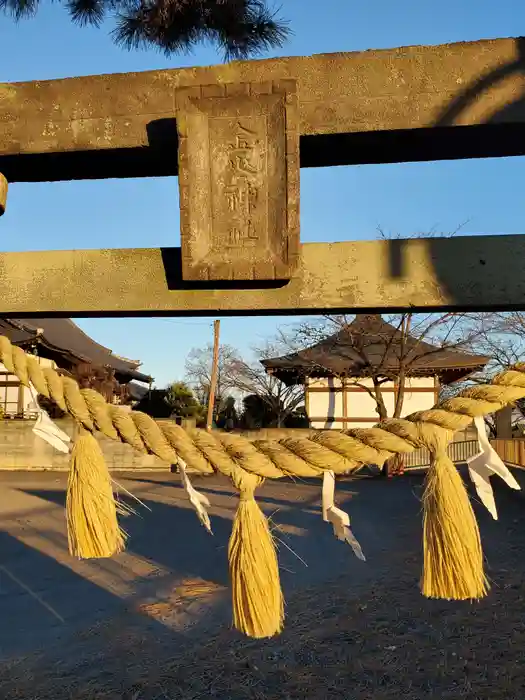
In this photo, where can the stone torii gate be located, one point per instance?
(242, 131)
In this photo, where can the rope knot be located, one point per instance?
(246, 483)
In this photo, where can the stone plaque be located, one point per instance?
(239, 181)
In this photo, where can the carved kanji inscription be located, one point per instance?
(239, 181)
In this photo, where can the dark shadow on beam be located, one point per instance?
(89, 165)
(512, 112)
(497, 137)
(159, 159)
(414, 145)
(396, 267)
(450, 269)
(172, 260)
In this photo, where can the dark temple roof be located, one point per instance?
(370, 341)
(137, 391)
(62, 337)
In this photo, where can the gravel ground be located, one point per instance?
(153, 623)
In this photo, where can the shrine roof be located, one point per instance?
(370, 342)
(63, 337)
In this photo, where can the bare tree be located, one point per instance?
(417, 337)
(198, 372)
(234, 374)
(388, 353)
(280, 399)
(500, 336)
(382, 356)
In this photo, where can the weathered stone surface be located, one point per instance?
(471, 272)
(407, 88)
(239, 181)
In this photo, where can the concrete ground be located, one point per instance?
(96, 625)
(46, 596)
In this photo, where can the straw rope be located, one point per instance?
(340, 452)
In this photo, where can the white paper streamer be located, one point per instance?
(46, 429)
(198, 500)
(339, 519)
(483, 465)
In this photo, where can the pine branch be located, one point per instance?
(240, 28)
(19, 9)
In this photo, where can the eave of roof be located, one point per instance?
(64, 337)
(337, 356)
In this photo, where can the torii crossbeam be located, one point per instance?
(242, 131)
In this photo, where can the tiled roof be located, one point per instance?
(370, 341)
(64, 337)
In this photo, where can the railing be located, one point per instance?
(511, 451)
(457, 451)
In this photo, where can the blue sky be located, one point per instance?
(347, 203)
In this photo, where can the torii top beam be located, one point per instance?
(363, 107)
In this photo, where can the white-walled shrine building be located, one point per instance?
(338, 372)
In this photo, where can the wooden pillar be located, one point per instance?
(307, 401)
(504, 423)
(21, 397)
(344, 401)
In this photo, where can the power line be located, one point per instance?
(208, 324)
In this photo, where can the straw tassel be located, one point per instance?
(92, 525)
(258, 607)
(452, 553)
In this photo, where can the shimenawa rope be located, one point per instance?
(453, 561)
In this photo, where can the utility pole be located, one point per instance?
(214, 369)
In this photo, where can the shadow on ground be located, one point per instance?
(169, 534)
(353, 630)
